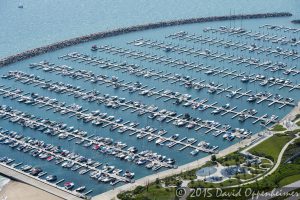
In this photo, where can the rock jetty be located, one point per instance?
(86, 38)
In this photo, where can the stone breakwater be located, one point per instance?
(86, 38)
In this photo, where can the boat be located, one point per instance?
(252, 98)
(245, 79)
(51, 178)
(231, 94)
(191, 140)
(80, 189)
(26, 168)
(141, 161)
(226, 106)
(150, 165)
(194, 152)
(69, 185)
(35, 171)
(159, 141)
(296, 21)
(216, 111)
(170, 161)
(128, 174)
(67, 164)
(174, 137)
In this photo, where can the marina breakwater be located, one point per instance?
(99, 35)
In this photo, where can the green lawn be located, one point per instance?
(271, 147)
(266, 165)
(290, 179)
(256, 171)
(265, 161)
(202, 184)
(278, 127)
(245, 176)
(154, 192)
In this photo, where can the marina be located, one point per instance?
(116, 107)
(188, 82)
(268, 65)
(253, 77)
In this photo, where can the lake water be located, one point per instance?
(65, 23)
(47, 21)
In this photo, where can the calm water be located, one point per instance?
(121, 41)
(61, 23)
(47, 21)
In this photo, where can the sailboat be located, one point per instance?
(20, 5)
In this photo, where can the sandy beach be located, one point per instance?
(19, 191)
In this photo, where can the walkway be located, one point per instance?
(43, 185)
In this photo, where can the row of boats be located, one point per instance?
(222, 72)
(248, 61)
(283, 40)
(64, 158)
(38, 172)
(103, 145)
(116, 102)
(251, 47)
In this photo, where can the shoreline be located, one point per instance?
(258, 138)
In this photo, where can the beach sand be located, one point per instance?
(19, 191)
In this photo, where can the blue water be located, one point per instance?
(47, 21)
(60, 23)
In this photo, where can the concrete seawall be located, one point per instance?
(86, 38)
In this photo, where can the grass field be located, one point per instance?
(278, 127)
(153, 192)
(271, 147)
(289, 179)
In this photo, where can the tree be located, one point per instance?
(213, 158)
(157, 181)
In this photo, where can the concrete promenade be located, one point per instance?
(43, 185)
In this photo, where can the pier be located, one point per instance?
(231, 44)
(64, 158)
(279, 28)
(112, 123)
(214, 55)
(255, 35)
(143, 90)
(56, 131)
(190, 83)
(272, 81)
